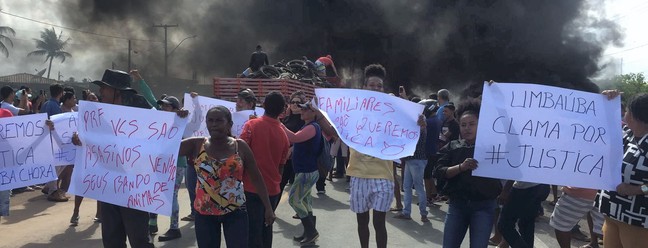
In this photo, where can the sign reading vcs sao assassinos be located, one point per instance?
(372, 123)
(128, 156)
(551, 135)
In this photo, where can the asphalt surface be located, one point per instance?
(35, 222)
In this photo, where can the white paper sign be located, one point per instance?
(128, 156)
(372, 123)
(198, 108)
(25, 152)
(64, 125)
(551, 135)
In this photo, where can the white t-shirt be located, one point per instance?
(10, 107)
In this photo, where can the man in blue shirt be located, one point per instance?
(53, 107)
(443, 100)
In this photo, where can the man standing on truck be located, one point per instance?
(258, 59)
(324, 63)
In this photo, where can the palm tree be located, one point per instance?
(4, 38)
(51, 46)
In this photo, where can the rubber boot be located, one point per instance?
(310, 232)
(300, 237)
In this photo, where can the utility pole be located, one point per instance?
(166, 55)
(59, 76)
(129, 55)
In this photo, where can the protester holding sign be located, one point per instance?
(120, 222)
(68, 103)
(472, 199)
(306, 148)
(626, 221)
(88, 96)
(220, 163)
(171, 104)
(372, 181)
(53, 107)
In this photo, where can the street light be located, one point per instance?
(190, 37)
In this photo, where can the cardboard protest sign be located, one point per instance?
(372, 123)
(128, 156)
(198, 108)
(25, 152)
(551, 135)
(64, 125)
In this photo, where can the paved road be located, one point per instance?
(36, 222)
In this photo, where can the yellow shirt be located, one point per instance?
(365, 166)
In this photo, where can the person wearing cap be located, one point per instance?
(258, 59)
(7, 94)
(120, 222)
(306, 148)
(171, 104)
(53, 107)
(322, 63)
(245, 100)
(269, 144)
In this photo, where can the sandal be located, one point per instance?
(188, 218)
(395, 209)
(402, 217)
(588, 246)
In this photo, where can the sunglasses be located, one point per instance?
(296, 102)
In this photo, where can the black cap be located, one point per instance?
(115, 79)
(170, 100)
(247, 95)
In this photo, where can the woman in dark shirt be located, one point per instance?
(306, 148)
(626, 217)
(293, 122)
(472, 199)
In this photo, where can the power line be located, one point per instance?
(75, 29)
(625, 50)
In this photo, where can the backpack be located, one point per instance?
(324, 159)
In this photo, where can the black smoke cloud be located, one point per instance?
(429, 44)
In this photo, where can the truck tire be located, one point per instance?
(270, 71)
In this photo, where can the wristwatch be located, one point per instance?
(644, 189)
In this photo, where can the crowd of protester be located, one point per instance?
(282, 147)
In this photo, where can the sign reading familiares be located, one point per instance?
(372, 123)
(128, 156)
(545, 134)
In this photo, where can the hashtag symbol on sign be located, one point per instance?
(496, 156)
(60, 155)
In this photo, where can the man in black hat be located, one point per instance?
(245, 100)
(119, 222)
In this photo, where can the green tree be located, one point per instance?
(631, 84)
(51, 46)
(5, 39)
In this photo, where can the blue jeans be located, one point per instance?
(414, 171)
(235, 229)
(190, 181)
(464, 214)
(521, 208)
